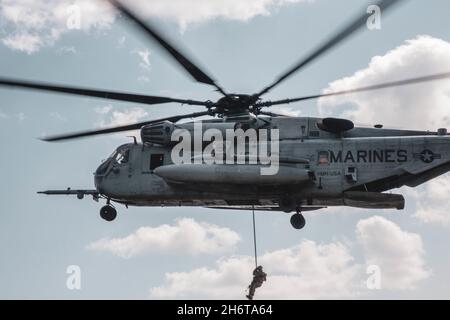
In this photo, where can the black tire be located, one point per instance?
(108, 213)
(298, 221)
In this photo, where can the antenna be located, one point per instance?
(134, 139)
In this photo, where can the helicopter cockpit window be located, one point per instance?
(122, 156)
(113, 155)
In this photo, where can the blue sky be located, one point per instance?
(245, 45)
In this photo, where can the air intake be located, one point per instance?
(158, 133)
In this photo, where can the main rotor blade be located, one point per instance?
(112, 95)
(187, 64)
(344, 33)
(272, 114)
(434, 77)
(133, 126)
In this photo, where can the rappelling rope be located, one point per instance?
(254, 236)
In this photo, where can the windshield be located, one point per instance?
(113, 155)
(121, 155)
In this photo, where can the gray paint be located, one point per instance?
(359, 165)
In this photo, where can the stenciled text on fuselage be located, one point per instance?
(369, 156)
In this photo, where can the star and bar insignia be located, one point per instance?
(427, 156)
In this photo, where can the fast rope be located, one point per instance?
(254, 236)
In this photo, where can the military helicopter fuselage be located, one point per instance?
(317, 168)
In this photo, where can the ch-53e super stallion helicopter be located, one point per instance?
(322, 162)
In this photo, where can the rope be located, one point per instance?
(254, 236)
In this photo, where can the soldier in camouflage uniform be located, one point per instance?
(259, 276)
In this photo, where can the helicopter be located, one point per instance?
(320, 162)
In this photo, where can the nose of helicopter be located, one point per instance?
(98, 181)
(99, 176)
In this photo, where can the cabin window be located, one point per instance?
(156, 160)
(323, 158)
(351, 174)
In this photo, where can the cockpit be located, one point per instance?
(120, 156)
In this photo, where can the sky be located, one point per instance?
(176, 253)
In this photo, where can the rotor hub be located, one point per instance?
(234, 104)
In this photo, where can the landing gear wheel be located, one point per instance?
(108, 213)
(298, 221)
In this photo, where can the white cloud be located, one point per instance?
(126, 117)
(432, 201)
(287, 111)
(309, 270)
(121, 42)
(144, 62)
(399, 254)
(103, 110)
(111, 117)
(186, 12)
(143, 78)
(20, 116)
(33, 24)
(44, 21)
(66, 50)
(27, 43)
(57, 116)
(186, 236)
(107, 116)
(422, 106)
(145, 58)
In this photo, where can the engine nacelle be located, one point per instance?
(161, 132)
(158, 133)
